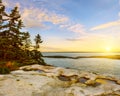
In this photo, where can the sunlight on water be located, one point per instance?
(97, 65)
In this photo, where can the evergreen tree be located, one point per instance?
(37, 41)
(37, 53)
(15, 44)
(12, 39)
(2, 13)
(3, 38)
(27, 41)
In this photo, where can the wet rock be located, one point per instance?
(64, 78)
(82, 79)
(72, 78)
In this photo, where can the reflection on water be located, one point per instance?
(97, 65)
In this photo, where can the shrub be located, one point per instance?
(6, 67)
(11, 65)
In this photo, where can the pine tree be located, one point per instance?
(2, 13)
(27, 41)
(37, 41)
(15, 44)
(37, 54)
(3, 38)
(12, 39)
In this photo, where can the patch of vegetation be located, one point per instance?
(7, 66)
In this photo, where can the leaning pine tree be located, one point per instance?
(37, 54)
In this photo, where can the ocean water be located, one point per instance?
(96, 65)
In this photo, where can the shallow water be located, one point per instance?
(97, 65)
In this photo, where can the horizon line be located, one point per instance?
(76, 52)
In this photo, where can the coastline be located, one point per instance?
(79, 57)
(39, 80)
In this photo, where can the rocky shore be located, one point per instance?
(38, 80)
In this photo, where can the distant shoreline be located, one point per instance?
(78, 57)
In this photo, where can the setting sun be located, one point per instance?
(108, 49)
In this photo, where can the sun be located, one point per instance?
(108, 49)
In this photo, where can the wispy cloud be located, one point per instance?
(6, 3)
(78, 28)
(75, 39)
(65, 25)
(34, 17)
(38, 16)
(107, 25)
(10, 4)
(74, 27)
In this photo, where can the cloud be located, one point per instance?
(5, 3)
(34, 17)
(74, 39)
(38, 16)
(10, 4)
(65, 25)
(74, 27)
(56, 19)
(78, 28)
(30, 18)
(107, 25)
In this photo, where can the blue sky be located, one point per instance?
(72, 25)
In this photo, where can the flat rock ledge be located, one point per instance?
(38, 80)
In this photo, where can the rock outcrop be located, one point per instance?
(38, 80)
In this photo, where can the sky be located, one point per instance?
(72, 25)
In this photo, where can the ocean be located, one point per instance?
(96, 65)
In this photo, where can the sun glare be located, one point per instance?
(108, 49)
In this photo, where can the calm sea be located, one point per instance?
(97, 65)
